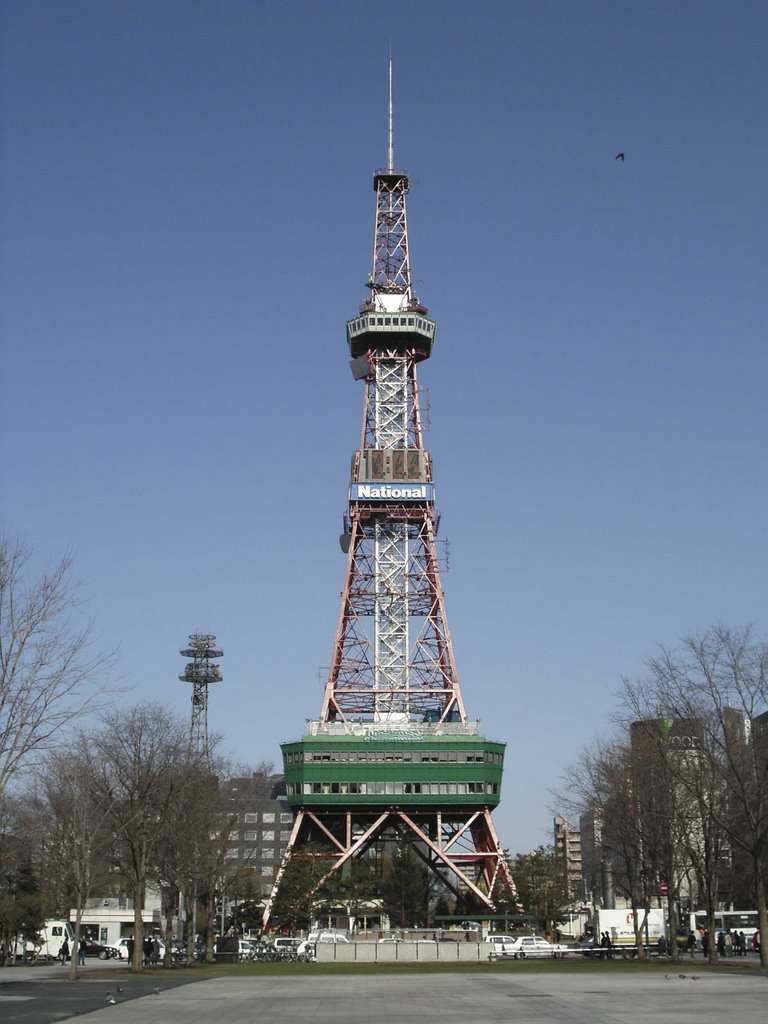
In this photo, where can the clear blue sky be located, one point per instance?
(187, 224)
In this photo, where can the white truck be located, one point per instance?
(621, 929)
(49, 942)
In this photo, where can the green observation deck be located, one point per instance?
(359, 765)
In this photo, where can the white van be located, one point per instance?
(286, 943)
(51, 939)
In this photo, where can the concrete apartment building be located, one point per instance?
(259, 823)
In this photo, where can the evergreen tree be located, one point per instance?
(22, 909)
(542, 885)
(405, 888)
(296, 902)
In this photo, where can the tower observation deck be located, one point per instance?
(393, 754)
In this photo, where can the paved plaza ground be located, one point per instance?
(515, 993)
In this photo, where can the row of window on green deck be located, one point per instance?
(397, 756)
(391, 788)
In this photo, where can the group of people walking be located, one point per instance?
(727, 943)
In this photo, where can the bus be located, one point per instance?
(737, 920)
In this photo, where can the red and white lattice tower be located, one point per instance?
(393, 751)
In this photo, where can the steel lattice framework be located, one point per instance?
(392, 700)
(392, 590)
(391, 266)
(201, 672)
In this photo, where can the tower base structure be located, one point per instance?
(355, 785)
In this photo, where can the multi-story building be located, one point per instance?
(760, 738)
(259, 823)
(568, 846)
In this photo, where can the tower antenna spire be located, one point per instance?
(391, 147)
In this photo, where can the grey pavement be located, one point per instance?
(525, 997)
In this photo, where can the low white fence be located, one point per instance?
(402, 952)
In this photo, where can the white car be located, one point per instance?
(307, 947)
(522, 947)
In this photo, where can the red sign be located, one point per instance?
(664, 888)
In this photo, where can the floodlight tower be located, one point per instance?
(201, 671)
(393, 753)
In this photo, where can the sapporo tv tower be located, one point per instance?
(393, 754)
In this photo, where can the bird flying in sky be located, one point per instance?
(619, 156)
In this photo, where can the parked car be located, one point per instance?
(286, 943)
(245, 951)
(522, 947)
(123, 948)
(591, 948)
(307, 947)
(91, 948)
(497, 941)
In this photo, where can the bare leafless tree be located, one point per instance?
(76, 814)
(144, 767)
(50, 672)
(215, 872)
(683, 801)
(196, 834)
(604, 781)
(720, 679)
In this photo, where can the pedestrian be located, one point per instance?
(146, 949)
(64, 952)
(81, 953)
(609, 946)
(720, 942)
(728, 943)
(691, 943)
(705, 943)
